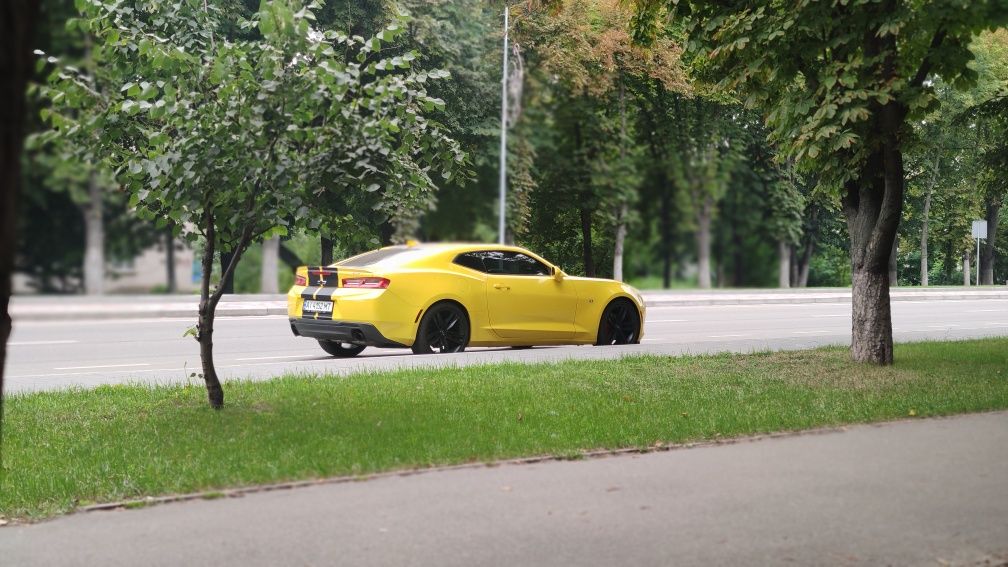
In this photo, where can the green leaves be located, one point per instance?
(295, 128)
(822, 86)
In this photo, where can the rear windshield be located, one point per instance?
(393, 255)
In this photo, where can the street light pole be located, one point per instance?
(503, 136)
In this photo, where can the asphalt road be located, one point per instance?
(929, 492)
(56, 354)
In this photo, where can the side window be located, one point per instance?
(523, 265)
(502, 263)
(473, 260)
(495, 261)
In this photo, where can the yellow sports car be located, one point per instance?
(445, 297)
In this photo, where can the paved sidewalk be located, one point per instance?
(56, 307)
(927, 492)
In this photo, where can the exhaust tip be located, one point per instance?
(358, 335)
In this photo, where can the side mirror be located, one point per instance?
(558, 274)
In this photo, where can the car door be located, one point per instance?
(524, 300)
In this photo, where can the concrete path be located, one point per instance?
(930, 492)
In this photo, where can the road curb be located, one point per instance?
(261, 306)
(837, 298)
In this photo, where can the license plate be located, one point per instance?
(313, 306)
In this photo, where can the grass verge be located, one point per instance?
(70, 448)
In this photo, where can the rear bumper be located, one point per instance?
(356, 333)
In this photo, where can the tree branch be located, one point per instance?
(927, 63)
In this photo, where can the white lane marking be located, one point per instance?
(726, 336)
(35, 343)
(665, 320)
(984, 310)
(724, 306)
(311, 357)
(101, 366)
(272, 357)
(109, 321)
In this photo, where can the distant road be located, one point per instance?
(52, 354)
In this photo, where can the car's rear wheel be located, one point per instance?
(444, 328)
(620, 324)
(342, 350)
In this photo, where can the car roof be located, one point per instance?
(431, 249)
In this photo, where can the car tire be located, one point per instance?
(620, 324)
(444, 328)
(341, 350)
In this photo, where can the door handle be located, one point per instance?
(501, 287)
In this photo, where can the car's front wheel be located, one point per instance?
(341, 350)
(444, 328)
(620, 324)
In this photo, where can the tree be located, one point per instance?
(234, 139)
(17, 19)
(838, 83)
(990, 115)
(953, 173)
(581, 59)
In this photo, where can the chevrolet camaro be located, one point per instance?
(445, 297)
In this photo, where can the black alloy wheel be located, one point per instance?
(620, 324)
(444, 328)
(341, 350)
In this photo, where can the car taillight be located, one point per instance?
(300, 280)
(372, 283)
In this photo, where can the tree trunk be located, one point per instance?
(385, 232)
(793, 279)
(873, 205)
(806, 258)
(924, 223)
(872, 318)
(665, 227)
(806, 261)
(621, 231)
(170, 260)
(16, 66)
(784, 264)
(893, 257)
(703, 220)
(738, 258)
(208, 306)
(987, 248)
(967, 270)
(287, 256)
(94, 238)
(205, 325)
(586, 242)
(924, 240)
(227, 279)
(270, 260)
(327, 251)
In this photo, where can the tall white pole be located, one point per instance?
(503, 137)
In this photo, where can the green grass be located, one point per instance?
(70, 448)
